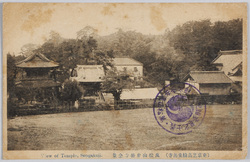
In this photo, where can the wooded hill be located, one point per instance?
(191, 46)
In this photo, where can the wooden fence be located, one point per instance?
(134, 104)
(92, 105)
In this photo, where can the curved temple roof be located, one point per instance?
(37, 60)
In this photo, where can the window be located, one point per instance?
(135, 69)
(124, 68)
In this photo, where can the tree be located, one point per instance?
(55, 38)
(114, 83)
(28, 49)
(86, 32)
(70, 53)
(202, 40)
(11, 74)
(227, 35)
(71, 92)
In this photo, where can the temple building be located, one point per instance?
(230, 62)
(209, 82)
(129, 66)
(90, 77)
(37, 78)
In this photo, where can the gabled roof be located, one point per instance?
(142, 93)
(89, 73)
(228, 52)
(208, 77)
(229, 60)
(236, 78)
(239, 66)
(36, 60)
(126, 61)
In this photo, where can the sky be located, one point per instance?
(25, 23)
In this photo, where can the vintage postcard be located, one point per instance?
(124, 81)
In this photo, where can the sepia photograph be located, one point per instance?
(124, 80)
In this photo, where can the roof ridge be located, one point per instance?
(227, 52)
(200, 76)
(89, 65)
(129, 58)
(40, 55)
(26, 59)
(45, 61)
(230, 52)
(122, 57)
(141, 88)
(237, 65)
(206, 71)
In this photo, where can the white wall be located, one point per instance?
(131, 70)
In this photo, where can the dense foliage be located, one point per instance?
(191, 46)
(115, 83)
(203, 40)
(71, 91)
(11, 72)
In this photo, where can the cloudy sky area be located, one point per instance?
(32, 23)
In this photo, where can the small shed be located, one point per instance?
(210, 82)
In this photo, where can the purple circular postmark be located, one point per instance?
(179, 108)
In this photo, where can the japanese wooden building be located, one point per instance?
(210, 82)
(231, 63)
(38, 78)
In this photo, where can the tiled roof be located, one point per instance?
(126, 62)
(229, 60)
(208, 77)
(89, 73)
(239, 66)
(142, 93)
(236, 78)
(36, 60)
(230, 52)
